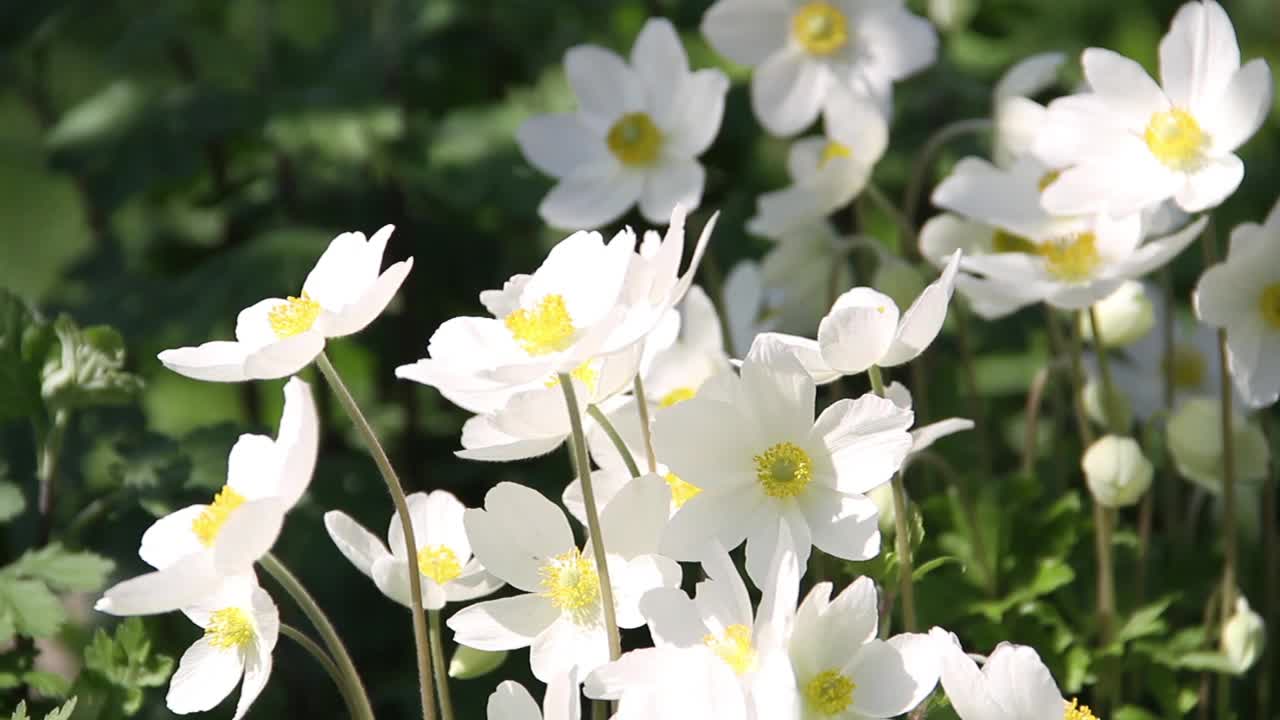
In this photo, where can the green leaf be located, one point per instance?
(1209, 661)
(46, 683)
(64, 712)
(1144, 621)
(86, 368)
(1051, 574)
(63, 569)
(932, 565)
(1130, 712)
(19, 377)
(12, 501)
(126, 663)
(35, 610)
(20, 712)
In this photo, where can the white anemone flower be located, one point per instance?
(1013, 684)
(751, 444)
(803, 49)
(241, 625)
(1242, 294)
(510, 701)
(446, 569)
(1130, 143)
(635, 137)
(525, 540)
(196, 548)
(276, 337)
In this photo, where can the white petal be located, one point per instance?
(634, 578)
(781, 587)
(893, 676)
(438, 521)
(1253, 346)
(659, 60)
(899, 43)
(1208, 186)
(205, 676)
(284, 357)
(510, 701)
(964, 683)
(634, 519)
(1222, 296)
(923, 320)
(257, 670)
(672, 617)
(1234, 116)
(562, 700)
(787, 92)
(923, 437)
(1029, 76)
(170, 539)
(763, 549)
(504, 624)
(1124, 86)
(1198, 55)
(845, 526)
(591, 197)
(298, 441)
(1018, 678)
(516, 533)
(558, 144)
(356, 544)
(474, 582)
(180, 585)
(1156, 253)
(747, 32)
(805, 351)
(217, 361)
(391, 575)
(370, 304)
(696, 113)
(858, 331)
(565, 646)
(605, 87)
(677, 182)
(248, 534)
(725, 516)
(343, 273)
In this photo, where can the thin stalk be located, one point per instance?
(924, 159)
(1171, 486)
(438, 664)
(321, 657)
(614, 437)
(967, 364)
(642, 406)
(1230, 548)
(47, 473)
(1035, 397)
(425, 684)
(328, 634)
(904, 224)
(901, 529)
(1114, 426)
(1271, 583)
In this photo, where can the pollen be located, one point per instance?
(635, 140)
(676, 396)
(438, 563)
(229, 628)
(784, 470)
(833, 150)
(1186, 365)
(1072, 258)
(681, 491)
(820, 28)
(734, 647)
(209, 523)
(1007, 242)
(1269, 305)
(544, 329)
(1175, 138)
(829, 693)
(570, 582)
(584, 374)
(293, 316)
(1076, 711)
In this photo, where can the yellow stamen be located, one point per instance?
(439, 563)
(833, 150)
(229, 628)
(1072, 258)
(1269, 304)
(209, 523)
(829, 693)
(1048, 179)
(784, 470)
(584, 374)
(293, 316)
(678, 395)
(635, 140)
(1007, 242)
(570, 581)
(734, 647)
(681, 491)
(545, 329)
(1076, 711)
(820, 28)
(1187, 366)
(1175, 138)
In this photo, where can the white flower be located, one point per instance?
(523, 539)
(806, 48)
(241, 625)
(751, 444)
(195, 549)
(275, 338)
(510, 701)
(805, 269)
(1130, 143)
(1195, 441)
(1017, 117)
(1116, 471)
(863, 328)
(448, 572)
(750, 307)
(1013, 684)
(1243, 637)
(636, 134)
(1126, 316)
(1242, 294)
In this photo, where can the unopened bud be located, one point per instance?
(1117, 472)
(468, 662)
(1195, 442)
(1124, 316)
(882, 496)
(1243, 636)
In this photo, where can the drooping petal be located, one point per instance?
(217, 361)
(356, 544)
(858, 331)
(298, 441)
(510, 701)
(205, 676)
(923, 320)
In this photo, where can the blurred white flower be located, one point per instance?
(510, 701)
(806, 268)
(1243, 636)
(1195, 441)
(1017, 117)
(1116, 471)
(275, 338)
(1126, 316)
(635, 137)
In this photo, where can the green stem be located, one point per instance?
(1114, 424)
(603, 421)
(924, 159)
(884, 203)
(396, 490)
(321, 657)
(47, 473)
(438, 664)
(1270, 573)
(901, 529)
(642, 406)
(969, 365)
(1230, 548)
(338, 651)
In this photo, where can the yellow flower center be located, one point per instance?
(584, 374)
(1175, 138)
(209, 523)
(635, 140)
(1048, 179)
(293, 316)
(570, 581)
(544, 329)
(784, 470)
(734, 647)
(1076, 711)
(1186, 365)
(820, 28)
(229, 628)
(1072, 258)
(833, 150)
(1007, 242)
(439, 563)
(678, 395)
(1269, 304)
(681, 491)
(829, 692)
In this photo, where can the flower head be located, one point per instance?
(1013, 684)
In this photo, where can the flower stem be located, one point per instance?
(642, 405)
(338, 651)
(47, 473)
(603, 420)
(438, 665)
(402, 511)
(969, 365)
(1270, 572)
(924, 159)
(1114, 426)
(901, 529)
(1229, 546)
(321, 657)
(908, 241)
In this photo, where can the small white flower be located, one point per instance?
(803, 49)
(510, 701)
(1017, 117)
(1116, 471)
(1126, 316)
(1130, 144)
(241, 625)
(195, 549)
(802, 272)
(275, 338)
(447, 571)
(636, 134)
(1243, 637)
(1195, 442)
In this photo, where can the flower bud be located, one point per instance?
(1243, 637)
(952, 14)
(1116, 471)
(882, 496)
(1093, 407)
(468, 662)
(1124, 316)
(1195, 441)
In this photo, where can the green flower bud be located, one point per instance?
(468, 662)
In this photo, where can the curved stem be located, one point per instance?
(901, 529)
(438, 665)
(402, 511)
(618, 443)
(321, 657)
(924, 159)
(338, 651)
(642, 405)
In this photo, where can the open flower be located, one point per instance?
(1130, 143)
(635, 137)
(195, 549)
(275, 338)
(510, 701)
(803, 49)
(447, 570)
(241, 625)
